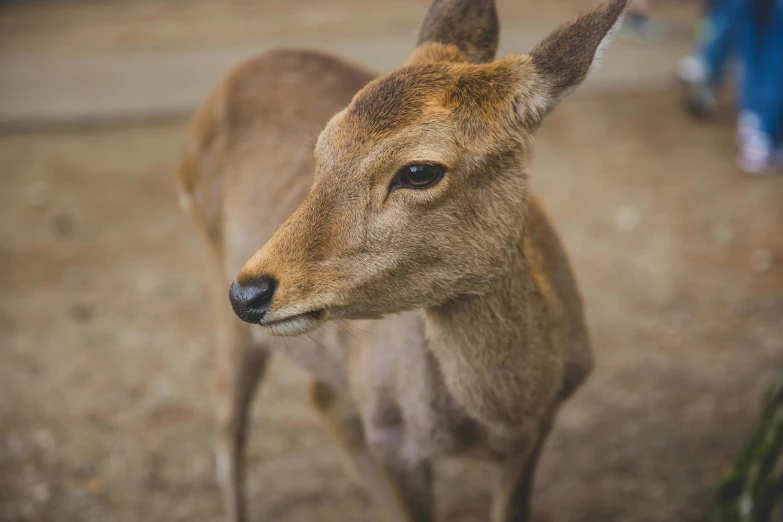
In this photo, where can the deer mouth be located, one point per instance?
(294, 325)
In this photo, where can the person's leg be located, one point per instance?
(701, 72)
(750, 43)
(755, 144)
(771, 88)
(718, 38)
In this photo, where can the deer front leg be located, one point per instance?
(404, 493)
(240, 366)
(411, 486)
(511, 502)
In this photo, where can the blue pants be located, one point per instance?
(719, 35)
(761, 55)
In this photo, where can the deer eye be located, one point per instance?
(418, 176)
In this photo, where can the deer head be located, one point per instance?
(420, 185)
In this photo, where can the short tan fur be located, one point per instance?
(475, 332)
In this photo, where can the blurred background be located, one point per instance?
(105, 331)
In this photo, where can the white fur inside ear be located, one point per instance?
(534, 100)
(599, 52)
(539, 103)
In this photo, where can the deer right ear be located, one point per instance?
(458, 31)
(562, 61)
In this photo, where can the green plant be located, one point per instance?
(753, 489)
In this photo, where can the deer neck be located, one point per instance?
(489, 347)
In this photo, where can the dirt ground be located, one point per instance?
(105, 336)
(106, 340)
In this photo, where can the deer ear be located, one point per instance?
(562, 61)
(458, 30)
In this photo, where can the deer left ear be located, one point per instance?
(458, 31)
(562, 61)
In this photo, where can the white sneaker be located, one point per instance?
(748, 124)
(756, 153)
(692, 69)
(700, 99)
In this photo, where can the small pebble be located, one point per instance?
(627, 218)
(40, 492)
(44, 439)
(762, 260)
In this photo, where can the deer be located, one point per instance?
(411, 218)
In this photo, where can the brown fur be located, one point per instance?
(472, 27)
(483, 333)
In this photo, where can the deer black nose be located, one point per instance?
(251, 300)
